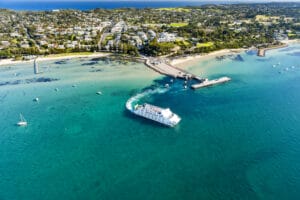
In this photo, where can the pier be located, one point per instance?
(207, 82)
(262, 51)
(167, 69)
(35, 67)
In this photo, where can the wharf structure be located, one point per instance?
(261, 52)
(35, 67)
(207, 82)
(165, 68)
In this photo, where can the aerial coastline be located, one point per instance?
(179, 61)
(175, 102)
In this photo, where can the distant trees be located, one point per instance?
(156, 48)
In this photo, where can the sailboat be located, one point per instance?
(22, 121)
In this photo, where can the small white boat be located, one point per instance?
(22, 121)
(171, 80)
(36, 99)
(74, 85)
(167, 85)
(99, 93)
(274, 65)
(185, 86)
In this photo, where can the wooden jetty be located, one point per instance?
(35, 67)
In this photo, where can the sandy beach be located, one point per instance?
(178, 62)
(193, 59)
(295, 41)
(52, 57)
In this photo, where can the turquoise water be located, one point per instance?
(239, 140)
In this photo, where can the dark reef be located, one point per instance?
(27, 81)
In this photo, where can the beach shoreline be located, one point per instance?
(178, 62)
(193, 59)
(52, 57)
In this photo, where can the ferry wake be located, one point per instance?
(162, 115)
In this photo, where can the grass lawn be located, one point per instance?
(263, 18)
(207, 44)
(176, 25)
(109, 37)
(183, 43)
(291, 34)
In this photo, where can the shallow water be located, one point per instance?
(239, 140)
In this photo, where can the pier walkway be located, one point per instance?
(207, 82)
(163, 67)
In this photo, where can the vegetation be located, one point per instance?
(192, 29)
(176, 25)
(207, 44)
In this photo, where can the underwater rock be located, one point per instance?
(61, 62)
(27, 81)
(90, 63)
(238, 58)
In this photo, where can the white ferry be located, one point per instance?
(162, 115)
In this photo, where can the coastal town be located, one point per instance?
(152, 32)
(149, 99)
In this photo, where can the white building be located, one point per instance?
(166, 37)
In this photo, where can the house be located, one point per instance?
(166, 37)
(151, 34)
(143, 36)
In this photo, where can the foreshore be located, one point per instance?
(178, 62)
(193, 59)
(53, 57)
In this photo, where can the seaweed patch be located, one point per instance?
(27, 81)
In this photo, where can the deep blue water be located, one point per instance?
(47, 5)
